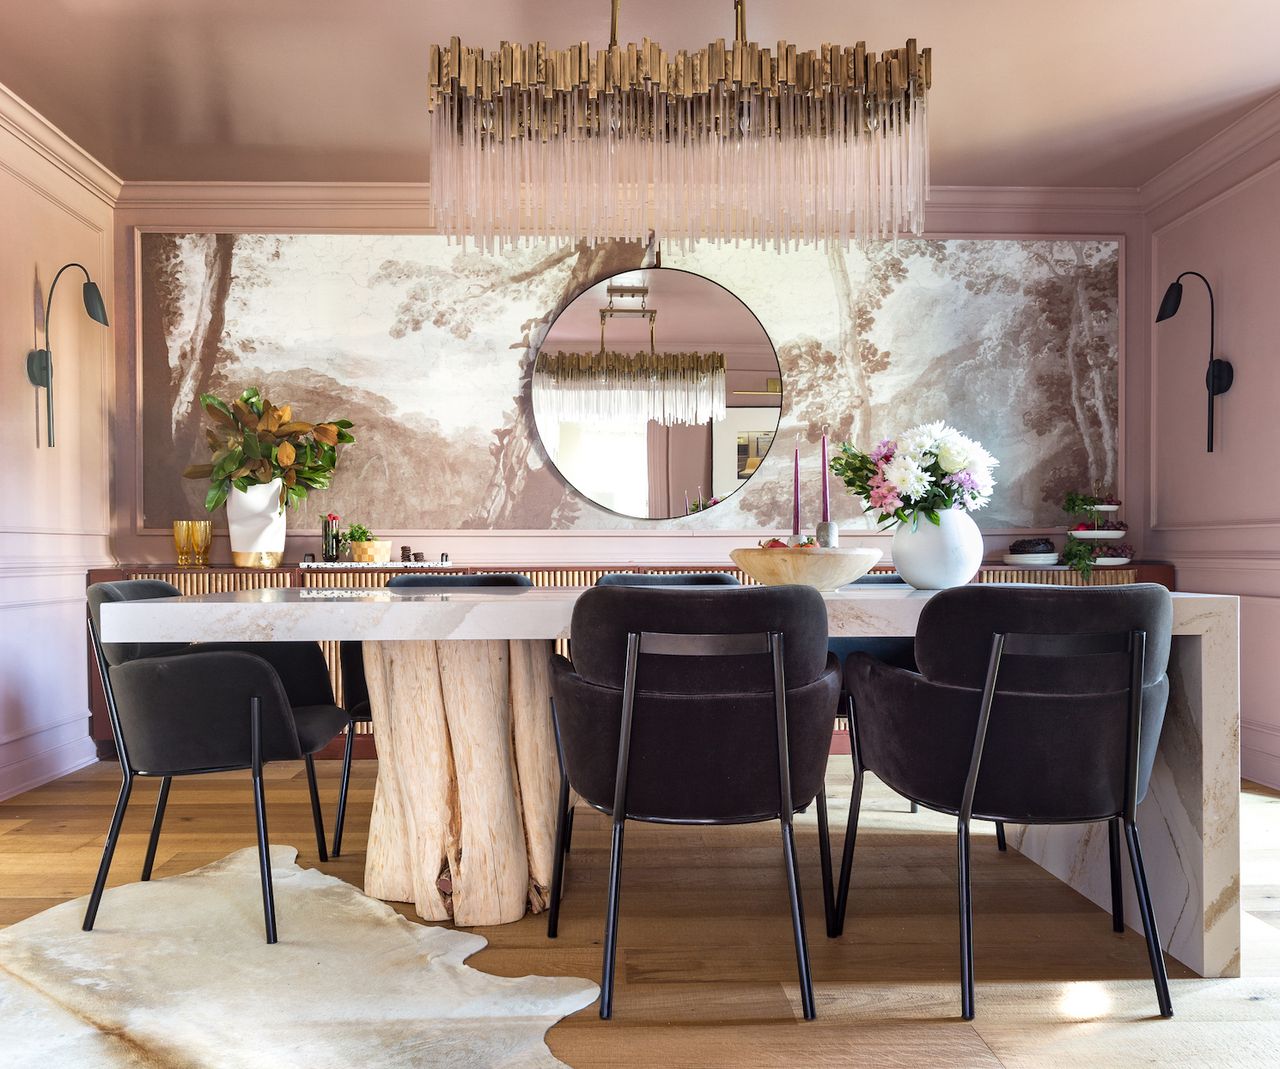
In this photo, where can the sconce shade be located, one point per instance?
(1172, 300)
(93, 303)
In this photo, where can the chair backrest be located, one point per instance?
(953, 636)
(189, 712)
(704, 738)
(1058, 748)
(426, 579)
(130, 590)
(667, 579)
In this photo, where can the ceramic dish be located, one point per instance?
(1030, 558)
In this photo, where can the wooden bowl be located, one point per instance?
(825, 569)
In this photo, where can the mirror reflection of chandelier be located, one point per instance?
(630, 388)
(726, 143)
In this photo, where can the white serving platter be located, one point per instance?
(1030, 558)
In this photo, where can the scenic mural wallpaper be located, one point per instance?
(428, 347)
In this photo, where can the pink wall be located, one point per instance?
(55, 207)
(1217, 517)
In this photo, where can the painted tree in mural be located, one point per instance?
(832, 386)
(521, 491)
(190, 275)
(1069, 323)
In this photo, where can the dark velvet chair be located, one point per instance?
(355, 688)
(1034, 705)
(668, 579)
(695, 706)
(184, 709)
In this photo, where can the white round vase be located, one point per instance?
(257, 524)
(933, 557)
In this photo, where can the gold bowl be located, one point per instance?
(818, 566)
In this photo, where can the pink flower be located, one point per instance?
(884, 495)
(883, 452)
(333, 517)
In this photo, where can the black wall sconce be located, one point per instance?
(40, 361)
(1220, 375)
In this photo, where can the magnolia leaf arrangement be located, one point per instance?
(254, 442)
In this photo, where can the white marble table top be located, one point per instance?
(296, 614)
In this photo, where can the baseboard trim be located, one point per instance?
(46, 766)
(1260, 766)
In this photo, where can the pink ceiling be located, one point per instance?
(692, 311)
(1027, 92)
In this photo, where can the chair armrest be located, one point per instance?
(301, 666)
(191, 711)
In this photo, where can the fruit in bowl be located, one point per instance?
(807, 542)
(1033, 545)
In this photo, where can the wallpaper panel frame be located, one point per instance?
(587, 521)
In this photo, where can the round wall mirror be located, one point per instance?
(656, 393)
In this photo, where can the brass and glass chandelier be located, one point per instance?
(728, 143)
(611, 387)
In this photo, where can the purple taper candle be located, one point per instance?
(795, 510)
(826, 482)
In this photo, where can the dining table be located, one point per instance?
(465, 801)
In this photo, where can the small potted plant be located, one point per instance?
(364, 547)
(263, 458)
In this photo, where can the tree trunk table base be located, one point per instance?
(464, 814)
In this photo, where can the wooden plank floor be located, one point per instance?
(706, 972)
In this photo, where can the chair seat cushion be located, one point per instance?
(318, 725)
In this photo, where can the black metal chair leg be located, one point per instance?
(1117, 885)
(1154, 951)
(915, 807)
(108, 849)
(568, 832)
(966, 923)
(317, 818)
(340, 819)
(260, 814)
(1001, 844)
(797, 921)
(611, 923)
(564, 819)
(824, 859)
(846, 862)
(161, 801)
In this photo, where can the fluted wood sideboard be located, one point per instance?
(219, 578)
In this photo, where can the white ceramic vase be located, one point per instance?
(936, 557)
(257, 524)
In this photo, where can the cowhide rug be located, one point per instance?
(177, 974)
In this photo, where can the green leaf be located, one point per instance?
(345, 424)
(252, 446)
(933, 517)
(216, 496)
(229, 463)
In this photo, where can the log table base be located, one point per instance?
(464, 815)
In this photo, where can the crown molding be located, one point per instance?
(391, 196)
(1222, 149)
(18, 118)
(399, 196)
(1065, 200)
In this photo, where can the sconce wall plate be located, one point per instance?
(39, 367)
